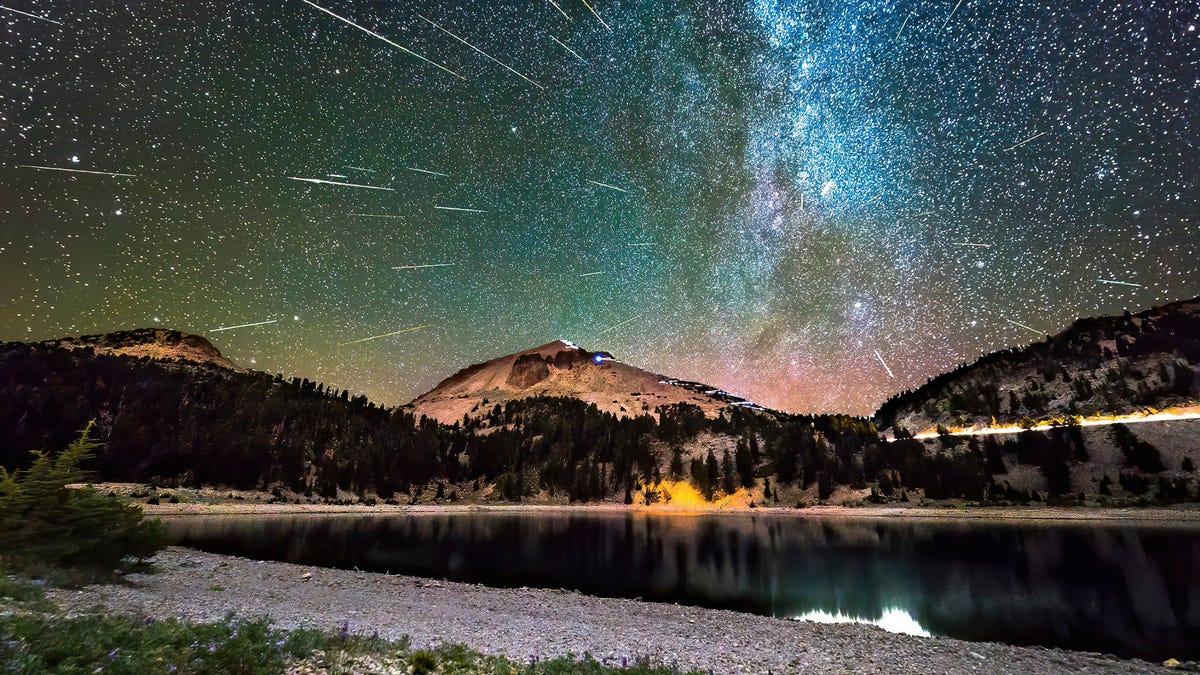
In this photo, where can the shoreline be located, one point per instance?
(522, 623)
(1184, 516)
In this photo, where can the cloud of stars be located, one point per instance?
(788, 197)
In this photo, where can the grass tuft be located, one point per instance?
(34, 643)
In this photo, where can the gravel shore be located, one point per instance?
(1183, 515)
(519, 623)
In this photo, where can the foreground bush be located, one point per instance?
(116, 644)
(113, 644)
(45, 523)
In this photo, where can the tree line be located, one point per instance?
(185, 424)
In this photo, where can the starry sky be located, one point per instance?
(810, 203)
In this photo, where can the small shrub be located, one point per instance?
(23, 590)
(422, 662)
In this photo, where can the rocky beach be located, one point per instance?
(524, 624)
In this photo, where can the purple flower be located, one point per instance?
(375, 635)
(112, 656)
(345, 632)
(624, 662)
(149, 621)
(171, 668)
(212, 648)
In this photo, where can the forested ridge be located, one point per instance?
(1101, 365)
(182, 423)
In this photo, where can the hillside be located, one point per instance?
(153, 343)
(563, 369)
(1109, 365)
(172, 411)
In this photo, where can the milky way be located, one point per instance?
(784, 199)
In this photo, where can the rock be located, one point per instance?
(306, 576)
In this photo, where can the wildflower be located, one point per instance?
(212, 648)
(345, 632)
(112, 656)
(375, 635)
(171, 668)
(624, 662)
(149, 621)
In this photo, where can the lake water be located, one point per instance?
(1121, 589)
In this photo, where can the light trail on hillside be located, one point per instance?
(1173, 414)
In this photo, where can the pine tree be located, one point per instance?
(676, 464)
(728, 474)
(745, 464)
(712, 473)
(44, 521)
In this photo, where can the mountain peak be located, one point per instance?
(156, 343)
(563, 368)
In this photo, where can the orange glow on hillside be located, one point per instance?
(682, 496)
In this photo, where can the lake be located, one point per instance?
(1116, 588)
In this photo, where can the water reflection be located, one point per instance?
(1120, 589)
(893, 620)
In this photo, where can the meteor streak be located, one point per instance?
(378, 215)
(573, 52)
(395, 332)
(359, 168)
(458, 208)
(421, 267)
(1025, 327)
(970, 243)
(494, 59)
(590, 274)
(585, 4)
(432, 173)
(643, 243)
(1119, 283)
(244, 325)
(906, 18)
(606, 185)
(951, 16)
(632, 318)
(322, 181)
(32, 16)
(1031, 138)
(58, 168)
(560, 10)
(380, 37)
(884, 364)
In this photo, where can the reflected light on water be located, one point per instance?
(894, 620)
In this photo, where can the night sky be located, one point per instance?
(774, 197)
